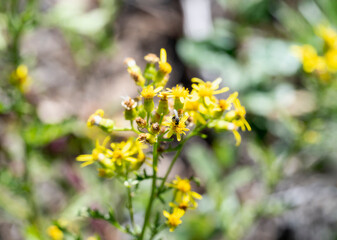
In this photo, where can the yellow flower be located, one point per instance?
(194, 109)
(178, 92)
(99, 153)
(177, 128)
(237, 116)
(21, 78)
(308, 56)
(164, 66)
(123, 151)
(328, 34)
(149, 92)
(206, 90)
(225, 104)
(183, 187)
(184, 203)
(173, 220)
(55, 233)
(129, 151)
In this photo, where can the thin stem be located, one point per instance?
(126, 129)
(148, 119)
(130, 207)
(170, 168)
(154, 179)
(129, 204)
(161, 119)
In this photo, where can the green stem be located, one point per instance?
(34, 218)
(130, 207)
(154, 179)
(125, 129)
(129, 204)
(160, 189)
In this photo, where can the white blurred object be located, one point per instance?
(197, 18)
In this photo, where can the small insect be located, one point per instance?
(175, 118)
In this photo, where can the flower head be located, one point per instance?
(173, 219)
(128, 103)
(149, 92)
(207, 90)
(183, 188)
(99, 153)
(21, 78)
(179, 92)
(225, 104)
(184, 203)
(308, 56)
(55, 233)
(177, 127)
(241, 113)
(123, 151)
(151, 58)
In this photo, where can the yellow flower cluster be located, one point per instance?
(184, 199)
(162, 115)
(121, 158)
(177, 110)
(325, 65)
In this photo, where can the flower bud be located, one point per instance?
(105, 173)
(231, 115)
(146, 137)
(135, 71)
(141, 122)
(155, 128)
(130, 112)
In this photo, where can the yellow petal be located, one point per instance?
(158, 89)
(87, 163)
(196, 195)
(237, 137)
(163, 55)
(225, 89)
(166, 214)
(198, 80)
(84, 158)
(217, 82)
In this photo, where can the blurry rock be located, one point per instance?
(312, 213)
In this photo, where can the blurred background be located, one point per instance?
(281, 183)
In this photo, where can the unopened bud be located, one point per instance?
(155, 128)
(141, 122)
